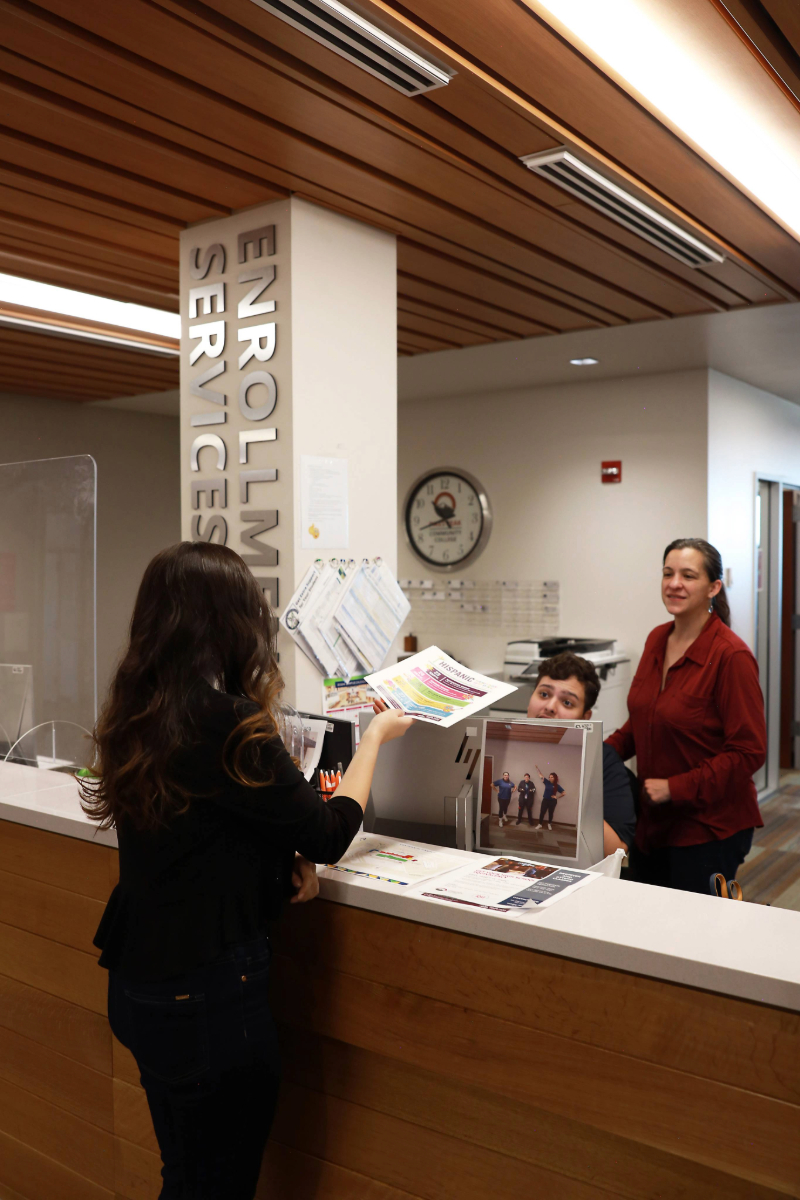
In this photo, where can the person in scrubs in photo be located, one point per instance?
(552, 792)
(505, 790)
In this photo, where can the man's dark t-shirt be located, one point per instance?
(618, 808)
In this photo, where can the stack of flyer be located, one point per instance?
(393, 861)
(505, 887)
(509, 886)
(345, 617)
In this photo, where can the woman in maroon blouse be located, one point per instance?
(696, 725)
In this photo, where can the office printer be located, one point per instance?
(524, 657)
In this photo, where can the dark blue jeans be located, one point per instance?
(690, 868)
(206, 1047)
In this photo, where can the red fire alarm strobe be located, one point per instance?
(611, 472)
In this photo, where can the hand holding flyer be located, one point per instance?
(433, 687)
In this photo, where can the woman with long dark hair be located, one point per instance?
(216, 826)
(697, 728)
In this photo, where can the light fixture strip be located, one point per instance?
(350, 35)
(629, 198)
(88, 335)
(353, 18)
(655, 231)
(564, 169)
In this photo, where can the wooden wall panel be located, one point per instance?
(39, 1177)
(526, 1130)
(132, 1116)
(690, 1031)
(137, 1172)
(124, 1064)
(419, 1065)
(292, 1173)
(67, 863)
(409, 1156)
(57, 1024)
(449, 1038)
(57, 1079)
(50, 912)
(59, 970)
(77, 1145)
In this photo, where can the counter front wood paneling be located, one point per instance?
(56, 1087)
(420, 1063)
(448, 1066)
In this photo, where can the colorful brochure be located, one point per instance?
(433, 687)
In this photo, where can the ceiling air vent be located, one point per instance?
(353, 37)
(562, 168)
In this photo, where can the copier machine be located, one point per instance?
(521, 667)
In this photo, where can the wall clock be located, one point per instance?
(447, 518)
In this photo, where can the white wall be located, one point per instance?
(138, 500)
(750, 433)
(537, 452)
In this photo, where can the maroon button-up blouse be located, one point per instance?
(705, 733)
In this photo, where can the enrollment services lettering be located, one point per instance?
(226, 467)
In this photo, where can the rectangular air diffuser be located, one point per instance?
(355, 38)
(568, 172)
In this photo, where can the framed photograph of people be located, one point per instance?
(539, 787)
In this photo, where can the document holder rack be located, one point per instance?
(424, 785)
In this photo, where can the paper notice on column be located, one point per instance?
(433, 687)
(323, 503)
(509, 887)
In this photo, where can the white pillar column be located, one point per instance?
(288, 349)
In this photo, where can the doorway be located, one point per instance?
(777, 625)
(790, 633)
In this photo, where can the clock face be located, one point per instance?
(447, 518)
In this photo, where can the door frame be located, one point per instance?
(778, 484)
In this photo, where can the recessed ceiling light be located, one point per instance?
(28, 293)
(584, 362)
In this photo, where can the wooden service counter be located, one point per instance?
(626, 1042)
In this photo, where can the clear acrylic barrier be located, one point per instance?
(48, 673)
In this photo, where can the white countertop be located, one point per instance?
(744, 950)
(47, 800)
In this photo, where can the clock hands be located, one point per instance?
(444, 512)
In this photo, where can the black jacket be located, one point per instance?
(217, 874)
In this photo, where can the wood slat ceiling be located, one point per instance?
(771, 30)
(71, 368)
(122, 123)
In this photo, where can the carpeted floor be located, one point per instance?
(771, 871)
